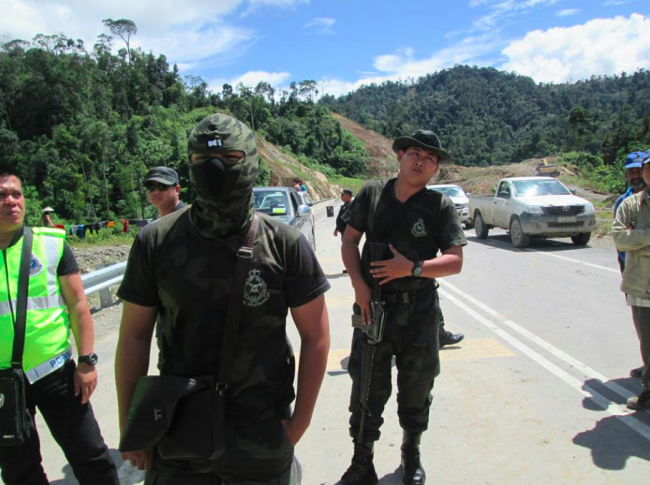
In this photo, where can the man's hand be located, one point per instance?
(85, 381)
(362, 295)
(142, 460)
(294, 431)
(391, 269)
(336, 232)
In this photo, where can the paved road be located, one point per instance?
(535, 393)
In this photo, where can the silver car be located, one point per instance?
(288, 206)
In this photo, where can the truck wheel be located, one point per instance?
(581, 239)
(479, 227)
(517, 236)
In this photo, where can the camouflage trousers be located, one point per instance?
(256, 454)
(411, 336)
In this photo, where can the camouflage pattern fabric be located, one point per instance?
(232, 213)
(258, 454)
(188, 278)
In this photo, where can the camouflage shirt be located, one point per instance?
(418, 228)
(189, 277)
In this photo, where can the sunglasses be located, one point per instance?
(158, 187)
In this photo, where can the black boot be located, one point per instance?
(362, 470)
(413, 471)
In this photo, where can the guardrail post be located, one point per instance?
(105, 297)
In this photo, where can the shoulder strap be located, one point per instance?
(21, 306)
(244, 256)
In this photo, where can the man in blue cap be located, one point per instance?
(631, 232)
(634, 176)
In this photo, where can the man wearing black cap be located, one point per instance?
(409, 225)
(163, 189)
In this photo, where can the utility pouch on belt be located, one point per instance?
(15, 420)
(374, 331)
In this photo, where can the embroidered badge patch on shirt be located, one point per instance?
(418, 229)
(255, 293)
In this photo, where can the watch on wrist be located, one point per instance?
(417, 268)
(90, 359)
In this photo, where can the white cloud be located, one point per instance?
(184, 31)
(568, 12)
(598, 47)
(250, 79)
(501, 10)
(323, 25)
(616, 3)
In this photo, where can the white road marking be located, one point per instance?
(577, 261)
(618, 410)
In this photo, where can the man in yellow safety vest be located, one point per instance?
(56, 307)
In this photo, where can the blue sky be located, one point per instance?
(342, 44)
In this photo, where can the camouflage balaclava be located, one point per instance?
(224, 205)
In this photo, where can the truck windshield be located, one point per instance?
(525, 188)
(273, 202)
(449, 191)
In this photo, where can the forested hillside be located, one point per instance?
(487, 117)
(82, 125)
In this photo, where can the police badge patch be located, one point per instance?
(35, 266)
(255, 293)
(419, 229)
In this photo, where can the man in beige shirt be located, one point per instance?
(631, 232)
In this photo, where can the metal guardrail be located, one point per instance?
(101, 280)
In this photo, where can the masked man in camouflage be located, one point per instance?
(413, 224)
(181, 267)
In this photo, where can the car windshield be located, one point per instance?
(273, 202)
(525, 188)
(450, 191)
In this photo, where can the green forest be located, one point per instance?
(82, 124)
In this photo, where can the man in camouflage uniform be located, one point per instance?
(182, 268)
(413, 224)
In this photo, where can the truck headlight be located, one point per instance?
(589, 210)
(534, 209)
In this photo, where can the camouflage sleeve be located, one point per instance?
(305, 279)
(450, 231)
(357, 214)
(139, 282)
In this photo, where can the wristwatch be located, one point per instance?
(90, 359)
(417, 268)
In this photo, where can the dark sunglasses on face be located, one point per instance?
(158, 187)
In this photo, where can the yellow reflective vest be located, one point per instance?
(47, 329)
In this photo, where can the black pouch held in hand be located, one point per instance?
(15, 420)
(176, 414)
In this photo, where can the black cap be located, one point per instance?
(163, 175)
(424, 139)
(347, 191)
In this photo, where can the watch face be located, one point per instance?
(417, 269)
(91, 359)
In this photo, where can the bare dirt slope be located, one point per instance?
(381, 159)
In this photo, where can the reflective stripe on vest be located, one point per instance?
(47, 330)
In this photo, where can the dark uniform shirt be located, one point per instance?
(418, 228)
(340, 223)
(189, 278)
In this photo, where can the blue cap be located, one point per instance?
(646, 157)
(634, 160)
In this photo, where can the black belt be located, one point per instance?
(406, 297)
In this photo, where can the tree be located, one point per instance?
(124, 29)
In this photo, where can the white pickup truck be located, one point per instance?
(533, 206)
